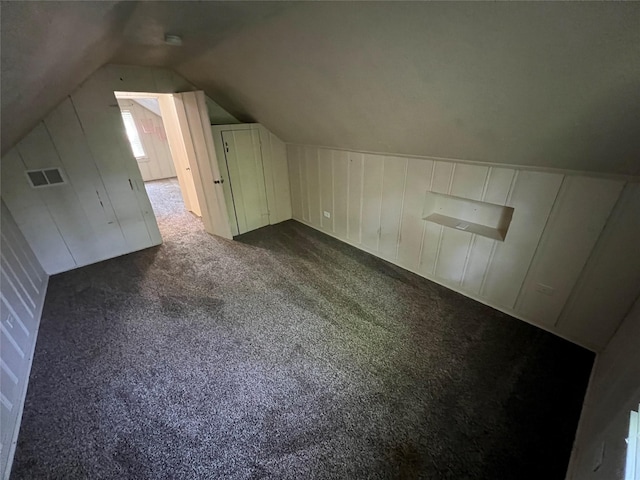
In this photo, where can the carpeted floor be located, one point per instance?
(287, 355)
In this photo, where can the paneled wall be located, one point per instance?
(378, 203)
(23, 285)
(254, 161)
(157, 164)
(599, 450)
(102, 210)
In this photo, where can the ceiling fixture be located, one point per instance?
(175, 40)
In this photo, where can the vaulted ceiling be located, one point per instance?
(541, 84)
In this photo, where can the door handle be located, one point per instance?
(219, 181)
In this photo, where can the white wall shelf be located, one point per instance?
(473, 216)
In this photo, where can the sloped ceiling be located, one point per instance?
(543, 84)
(47, 50)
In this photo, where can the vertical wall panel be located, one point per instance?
(491, 270)
(432, 238)
(33, 216)
(610, 282)
(37, 151)
(158, 163)
(533, 196)
(325, 165)
(22, 291)
(313, 185)
(355, 197)
(304, 184)
(293, 161)
(497, 189)
(109, 213)
(243, 158)
(418, 182)
(477, 263)
(442, 177)
(102, 124)
(395, 170)
(498, 185)
(580, 213)
(68, 138)
(340, 192)
(274, 157)
(468, 182)
(373, 166)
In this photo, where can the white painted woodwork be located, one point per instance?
(373, 167)
(340, 182)
(532, 197)
(23, 285)
(246, 177)
(192, 114)
(313, 185)
(379, 203)
(472, 216)
(610, 282)
(576, 224)
(158, 163)
(304, 183)
(276, 174)
(354, 197)
(103, 210)
(99, 114)
(612, 394)
(293, 164)
(393, 180)
(325, 172)
(70, 143)
(256, 172)
(33, 216)
(178, 149)
(417, 182)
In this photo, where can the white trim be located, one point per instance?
(564, 171)
(632, 469)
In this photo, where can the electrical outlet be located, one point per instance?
(544, 289)
(327, 214)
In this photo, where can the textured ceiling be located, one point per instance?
(542, 84)
(47, 50)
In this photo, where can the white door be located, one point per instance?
(175, 138)
(193, 119)
(246, 175)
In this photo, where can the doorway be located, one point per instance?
(155, 144)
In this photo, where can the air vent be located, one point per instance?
(45, 177)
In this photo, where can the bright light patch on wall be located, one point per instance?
(132, 133)
(632, 470)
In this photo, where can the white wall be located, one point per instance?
(274, 199)
(23, 284)
(613, 392)
(377, 203)
(103, 210)
(158, 163)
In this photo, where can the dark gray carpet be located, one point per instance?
(287, 355)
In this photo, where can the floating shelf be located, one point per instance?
(482, 218)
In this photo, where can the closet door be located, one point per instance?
(246, 176)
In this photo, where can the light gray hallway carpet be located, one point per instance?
(287, 355)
